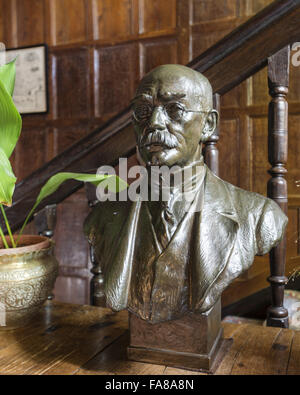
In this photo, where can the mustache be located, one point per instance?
(159, 137)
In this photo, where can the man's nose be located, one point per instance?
(158, 119)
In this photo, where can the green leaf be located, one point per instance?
(8, 76)
(10, 119)
(55, 182)
(7, 180)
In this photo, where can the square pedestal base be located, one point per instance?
(192, 342)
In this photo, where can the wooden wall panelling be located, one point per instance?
(116, 72)
(205, 10)
(258, 92)
(294, 91)
(2, 21)
(210, 22)
(156, 52)
(298, 230)
(255, 6)
(228, 148)
(259, 127)
(10, 26)
(213, 20)
(292, 237)
(65, 136)
(157, 16)
(31, 151)
(204, 36)
(293, 164)
(114, 19)
(184, 11)
(234, 98)
(30, 22)
(68, 21)
(245, 151)
(72, 250)
(72, 83)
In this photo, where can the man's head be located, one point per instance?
(172, 115)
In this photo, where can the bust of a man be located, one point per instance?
(164, 258)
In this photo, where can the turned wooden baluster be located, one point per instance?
(211, 152)
(278, 77)
(97, 296)
(45, 222)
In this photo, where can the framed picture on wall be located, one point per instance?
(31, 93)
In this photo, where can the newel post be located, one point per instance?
(278, 78)
(211, 152)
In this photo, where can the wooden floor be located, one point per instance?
(84, 340)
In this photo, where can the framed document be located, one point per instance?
(31, 93)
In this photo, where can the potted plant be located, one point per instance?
(28, 267)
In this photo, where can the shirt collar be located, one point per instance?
(188, 180)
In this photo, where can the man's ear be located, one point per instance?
(210, 125)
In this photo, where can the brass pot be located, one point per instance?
(27, 277)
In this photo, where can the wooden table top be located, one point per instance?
(85, 340)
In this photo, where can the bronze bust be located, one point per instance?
(164, 259)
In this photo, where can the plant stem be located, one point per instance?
(7, 226)
(3, 238)
(25, 223)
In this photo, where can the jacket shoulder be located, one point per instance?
(266, 217)
(105, 214)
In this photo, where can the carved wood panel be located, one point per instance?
(64, 137)
(204, 10)
(114, 19)
(72, 73)
(228, 147)
(32, 150)
(30, 22)
(293, 165)
(2, 21)
(294, 91)
(157, 52)
(254, 6)
(73, 282)
(157, 15)
(116, 77)
(68, 21)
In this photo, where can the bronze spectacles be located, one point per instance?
(143, 112)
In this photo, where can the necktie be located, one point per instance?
(166, 226)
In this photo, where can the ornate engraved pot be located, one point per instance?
(27, 277)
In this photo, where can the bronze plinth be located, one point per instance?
(191, 342)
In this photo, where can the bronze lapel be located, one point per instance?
(215, 232)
